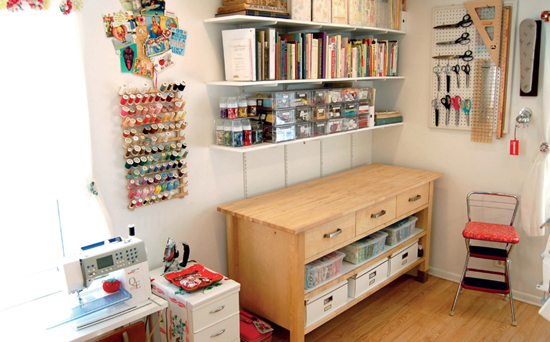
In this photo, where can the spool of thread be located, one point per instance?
(142, 161)
(156, 168)
(147, 118)
(163, 86)
(158, 119)
(164, 197)
(167, 136)
(145, 192)
(122, 89)
(150, 160)
(131, 194)
(131, 89)
(139, 202)
(124, 99)
(125, 133)
(143, 181)
(150, 180)
(126, 122)
(146, 201)
(158, 178)
(164, 110)
(154, 128)
(155, 149)
(145, 110)
(127, 142)
(163, 98)
(176, 183)
(132, 122)
(162, 167)
(132, 99)
(164, 186)
(165, 117)
(135, 173)
(133, 132)
(181, 173)
(161, 127)
(124, 111)
(139, 98)
(144, 88)
(157, 109)
(131, 184)
(170, 97)
(129, 164)
(154, 141)
(148, 150)
(144, 170)
(139, 121)
(152, 97)
(128, 152)
(171, 116)
(154, 199)
(139, 109)
(139, 193)
(137, 150)
(176, 86)
(170, 186)
(135, 140)
(136, 162)
(163, 156)
(158, 188)
(174, 156)
(157, 97)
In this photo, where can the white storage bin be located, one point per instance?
(364, 281)
(403, 258)
(326, 302)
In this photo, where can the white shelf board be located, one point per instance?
(263, 146)
(308, 81)
(348, 266)
(247, 20)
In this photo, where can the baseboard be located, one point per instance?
(521, 296)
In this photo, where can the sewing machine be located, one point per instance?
(122, 259)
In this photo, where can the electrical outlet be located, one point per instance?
(500, 263)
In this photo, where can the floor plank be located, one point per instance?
(409, 311)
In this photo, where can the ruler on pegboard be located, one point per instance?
(505, 48)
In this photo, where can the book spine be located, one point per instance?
(386, 121)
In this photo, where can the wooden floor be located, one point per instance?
(407, 310)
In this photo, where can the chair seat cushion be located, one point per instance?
(490, 232)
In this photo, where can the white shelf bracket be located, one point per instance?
(321, 157)
(351, 151)
(245, 176)
(286, 166)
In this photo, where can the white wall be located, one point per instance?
(467, 166)
(215, 177)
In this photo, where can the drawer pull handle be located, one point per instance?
(414, 199)
(382, 213)
(218, 333)
(330, 236)
(218, 309)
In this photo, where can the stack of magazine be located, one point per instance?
(261, 8)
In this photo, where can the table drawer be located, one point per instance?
(224, 331)
(374, 216)
(329, 235)
(412, 199)
(214, 311)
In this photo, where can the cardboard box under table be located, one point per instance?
(210, 313)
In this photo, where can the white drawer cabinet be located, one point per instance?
(364, 281)
(208, 314)
(404, 257)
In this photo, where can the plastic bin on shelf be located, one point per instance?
(365, 248)
(323, 269)
(400, 230)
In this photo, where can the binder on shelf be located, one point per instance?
(239, 54)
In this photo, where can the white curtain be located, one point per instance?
(535, 195)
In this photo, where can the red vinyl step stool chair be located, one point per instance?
(484, 231)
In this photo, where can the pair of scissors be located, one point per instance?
(446, 101)
(455, 102)
(466, 69)
(436, 107)
(456, 70)
(465, 22)
(463, 39)
(467, 56)
(466, 105)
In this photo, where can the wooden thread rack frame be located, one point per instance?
(166, 154)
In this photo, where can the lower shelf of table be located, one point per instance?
(352, 301)
(263, 146)
(349, 269)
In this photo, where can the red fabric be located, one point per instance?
(490, 232)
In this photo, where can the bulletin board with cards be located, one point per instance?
(468, 85)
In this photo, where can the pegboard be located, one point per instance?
(453, 15)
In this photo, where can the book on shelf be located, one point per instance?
(242, 7)
(273, 3)
(239, 54)
(256, 13)
(387, 114)
(387, 121)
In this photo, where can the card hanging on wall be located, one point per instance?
(127, 58)
(178, 41)
(529, 54)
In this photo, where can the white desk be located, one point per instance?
(31, 324)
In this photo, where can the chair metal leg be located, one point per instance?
(459, 290)
(514, 323)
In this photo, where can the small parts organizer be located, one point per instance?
(153, 143)
(467, 90)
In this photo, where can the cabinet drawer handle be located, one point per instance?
(382, 213)
(218, 333)
(414, 199)
(218, 309)
(330, 236)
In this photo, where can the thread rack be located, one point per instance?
(154, 148)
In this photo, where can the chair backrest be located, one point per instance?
(494, 201)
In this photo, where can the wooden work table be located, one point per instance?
(272, 236)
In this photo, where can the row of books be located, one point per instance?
(295, 56)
